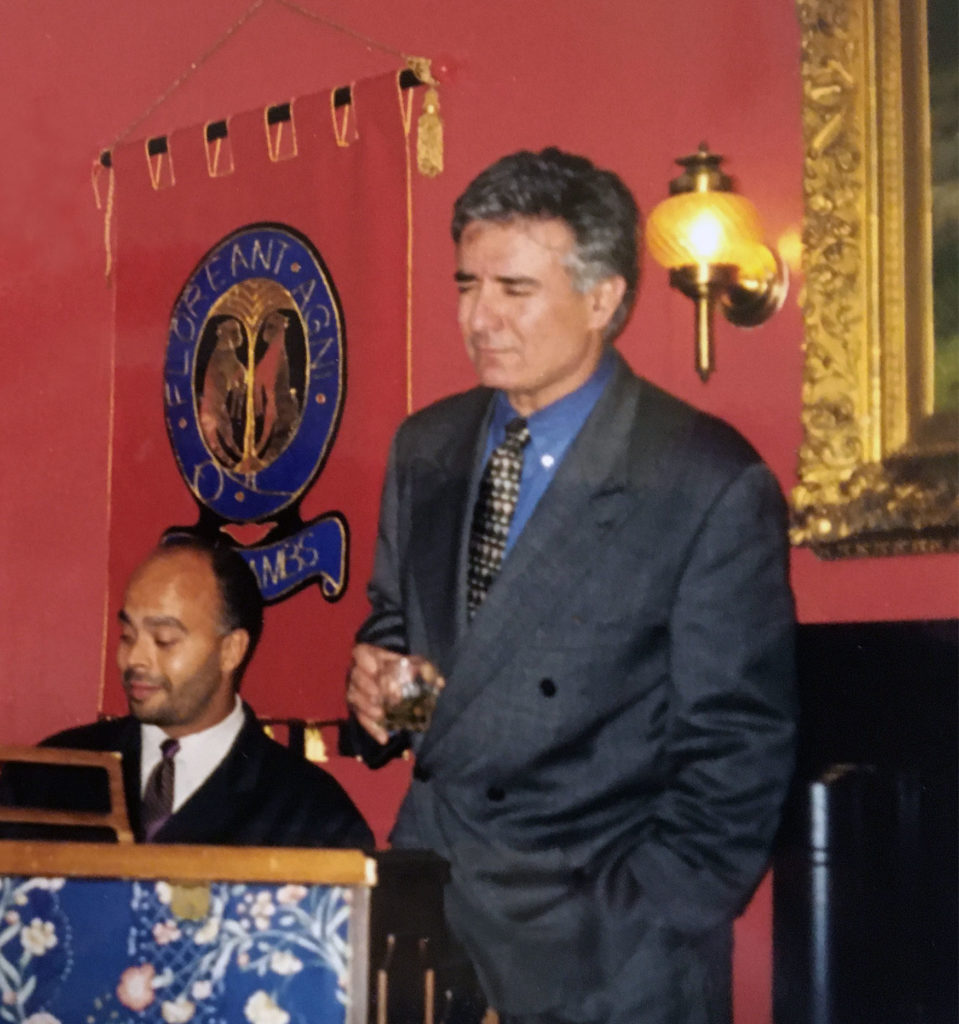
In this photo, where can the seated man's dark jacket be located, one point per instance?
(261, 794)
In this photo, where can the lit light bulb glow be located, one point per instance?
(704, 236)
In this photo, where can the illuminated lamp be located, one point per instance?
(711, 241)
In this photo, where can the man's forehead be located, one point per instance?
(169, 578)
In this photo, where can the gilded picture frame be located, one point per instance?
(879, 464)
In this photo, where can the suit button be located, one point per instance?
(495, 793)
(547, 687)
(420, 773)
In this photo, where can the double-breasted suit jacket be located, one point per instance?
(605, 767)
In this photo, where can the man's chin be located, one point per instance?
(148, 709)
(497, 377)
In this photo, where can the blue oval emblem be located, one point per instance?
(254, 372)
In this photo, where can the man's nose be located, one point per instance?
(137, 654)
(482, 313)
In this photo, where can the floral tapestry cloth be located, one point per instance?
(109, 950)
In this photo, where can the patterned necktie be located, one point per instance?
(498, 491)
(158, 796)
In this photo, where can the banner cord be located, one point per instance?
(406, 114)
(218, 43)
(192, 69)
(313, 16)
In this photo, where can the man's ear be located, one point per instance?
(604, 299)
(233, 648)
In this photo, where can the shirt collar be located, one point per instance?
(217, 738)
(198, 756)
(559, 421)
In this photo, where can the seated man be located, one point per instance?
(197, 766)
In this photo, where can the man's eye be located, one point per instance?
(126, 638)
(165, 641)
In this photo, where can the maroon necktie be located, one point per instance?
(158, 796)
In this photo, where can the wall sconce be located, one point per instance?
(710, 240)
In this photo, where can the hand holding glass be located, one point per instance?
(410, 685)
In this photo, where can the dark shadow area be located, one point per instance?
(865, 883)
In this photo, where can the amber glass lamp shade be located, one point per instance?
(716, 228)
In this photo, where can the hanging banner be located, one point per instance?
(253, 384)
(260, 364)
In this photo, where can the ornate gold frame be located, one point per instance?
(878, 468)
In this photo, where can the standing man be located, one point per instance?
(605, 766)
(197, 766)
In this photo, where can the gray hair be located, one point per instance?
(552, 185)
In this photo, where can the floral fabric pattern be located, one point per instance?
(92, 950)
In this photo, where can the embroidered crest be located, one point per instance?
(253, 390)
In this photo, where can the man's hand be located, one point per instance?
(366, 688)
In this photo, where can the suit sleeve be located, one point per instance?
(385, 626)
(731, 728)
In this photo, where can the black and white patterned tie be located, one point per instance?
(158, 796)
(498, 491)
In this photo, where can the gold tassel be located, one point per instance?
(429, 127)
(429, 135)
(313, 746)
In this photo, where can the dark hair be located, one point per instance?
(599, 209)
(240, 597)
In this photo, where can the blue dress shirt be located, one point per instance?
(552, 430)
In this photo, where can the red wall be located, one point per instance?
(634, 85)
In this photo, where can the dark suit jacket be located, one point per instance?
(605, 768)
(260, 794)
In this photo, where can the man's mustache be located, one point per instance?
(132, 675)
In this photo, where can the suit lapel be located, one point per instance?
(207, 816)
(600, 483)
(442, 498)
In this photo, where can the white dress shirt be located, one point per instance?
(198, 756)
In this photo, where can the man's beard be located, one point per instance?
(162, 715)
(168, 703)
